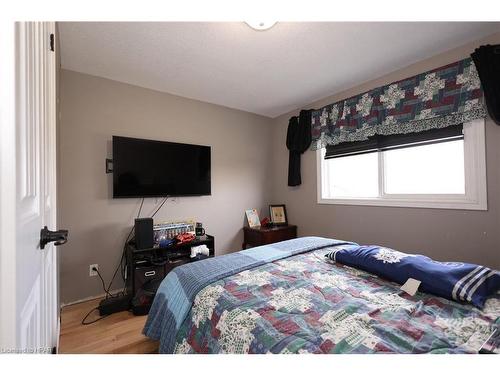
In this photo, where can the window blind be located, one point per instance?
(392, 142)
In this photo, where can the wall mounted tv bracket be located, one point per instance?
(109, 165)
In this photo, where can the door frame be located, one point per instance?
(8, 339)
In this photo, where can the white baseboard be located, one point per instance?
(58, 333)
(102, 295)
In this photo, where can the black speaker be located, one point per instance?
(144, 233)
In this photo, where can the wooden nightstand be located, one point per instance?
(262, 236)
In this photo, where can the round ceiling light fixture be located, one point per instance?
(261, 25)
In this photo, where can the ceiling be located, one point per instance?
(265, 72)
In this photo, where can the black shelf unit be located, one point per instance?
(158, 262)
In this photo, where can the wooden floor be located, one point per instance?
(117, 333)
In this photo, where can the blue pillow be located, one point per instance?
(463, 282)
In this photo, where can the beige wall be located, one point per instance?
(92, 110)
(443, 234)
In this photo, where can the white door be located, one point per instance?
(36, 268)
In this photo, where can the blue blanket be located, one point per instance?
(176, 293)
(464, 282)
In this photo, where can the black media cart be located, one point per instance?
(145, 265)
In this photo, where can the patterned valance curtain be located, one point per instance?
(450, 95)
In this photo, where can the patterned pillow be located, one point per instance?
(463, 282)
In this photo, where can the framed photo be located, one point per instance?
(277, 212)
(253, 218)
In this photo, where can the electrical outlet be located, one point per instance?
(91, 270)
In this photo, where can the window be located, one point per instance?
(409, 170)
(440, 170)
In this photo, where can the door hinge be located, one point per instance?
(52, 42)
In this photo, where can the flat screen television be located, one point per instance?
(147, 168)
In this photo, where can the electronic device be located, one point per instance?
(144, 233)
(114, 304)
(147, 168)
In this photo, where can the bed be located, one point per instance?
(288, 298)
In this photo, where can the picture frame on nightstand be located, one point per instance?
(277, 212)
(253, 218)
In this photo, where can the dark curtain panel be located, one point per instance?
(298, 140)
(487, 60)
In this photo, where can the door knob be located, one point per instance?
(59, 236)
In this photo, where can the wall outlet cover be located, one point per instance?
(93, 273)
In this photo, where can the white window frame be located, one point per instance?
(475, 197)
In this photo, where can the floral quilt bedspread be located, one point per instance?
(305, 304)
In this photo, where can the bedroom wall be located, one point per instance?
(472, 236)
(92, 110)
